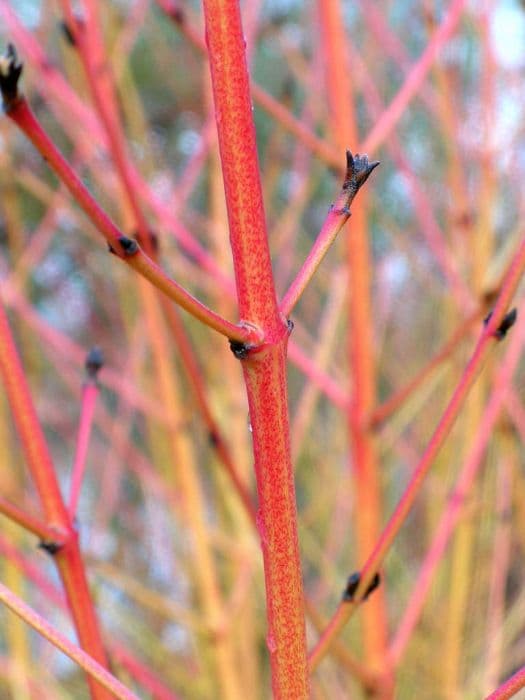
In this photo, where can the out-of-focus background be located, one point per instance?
(434, 90)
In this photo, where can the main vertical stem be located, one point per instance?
(264, 366)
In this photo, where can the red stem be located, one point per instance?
(265, 368)
(22, 115)
(32, 437)
(91, 48)
(67, 557)
(263, 99)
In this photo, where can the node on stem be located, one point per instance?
(50, 547)
(353, 582)
(508, 321)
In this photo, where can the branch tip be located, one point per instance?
(358, 169)
(10, 71)
(94, 362)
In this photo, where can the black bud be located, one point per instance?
(353, 583)
(508, 321)
(94, 362)
(50, 547)
(128, 245)
(240, 350)
(358, 170)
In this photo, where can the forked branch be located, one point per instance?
(127, 249)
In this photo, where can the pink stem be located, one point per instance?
(90, 392)
(510, 688)
(456, 503)
(85, 661)
(390, 117)
(489, 333)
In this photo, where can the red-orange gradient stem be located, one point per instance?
(365, 467)
(265, 367)
(67, 557)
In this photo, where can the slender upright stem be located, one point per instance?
(87, 410)
(65, 548)
(365, 469)
(495, 327)
(264, 367)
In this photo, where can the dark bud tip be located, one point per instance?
(50, 547)
(10, 71)
(71, 31)
(67, 33)
(240, 350)
(508, 321)
(353, 583)
(290, 324)
(129, 246)
(358, 169)
(351, 586)
(94, 362)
